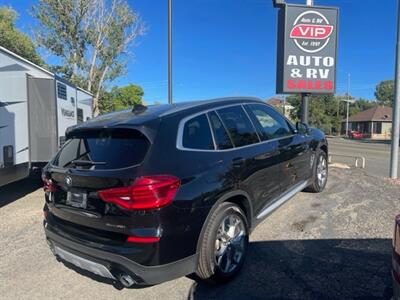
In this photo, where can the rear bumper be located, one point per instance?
(396, 280)
(396, 290)
(396, 275)
(117, 264)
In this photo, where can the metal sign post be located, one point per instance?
(304, 97)
(170, 52)
(348, 105)
(307, 40)
(394, 157)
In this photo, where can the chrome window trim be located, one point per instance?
(179, 139)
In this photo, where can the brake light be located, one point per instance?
(145, 193)
(48, 185)
(142, 240)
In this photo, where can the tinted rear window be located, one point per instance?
(197, 134)
(222, 138)
(106, 149)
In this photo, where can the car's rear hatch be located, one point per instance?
(92, 161)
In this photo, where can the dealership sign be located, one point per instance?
(307, 42)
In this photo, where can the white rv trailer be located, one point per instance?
(36, 107)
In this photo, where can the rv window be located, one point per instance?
(61, 91)
(80, 115)
(103, 150)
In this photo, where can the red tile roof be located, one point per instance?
(378, 113)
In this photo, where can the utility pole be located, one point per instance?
(305, 98)
(170, 52)
(394, 156)
(348, 105)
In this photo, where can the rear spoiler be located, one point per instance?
(148, 132)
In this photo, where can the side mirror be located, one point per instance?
(302, 128)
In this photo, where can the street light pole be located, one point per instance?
(394, 157)
(305, 99)
(170, 100)
(348, 105)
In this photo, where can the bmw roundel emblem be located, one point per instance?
(68, 180)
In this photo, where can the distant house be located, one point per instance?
(281, 105)
(374, 123)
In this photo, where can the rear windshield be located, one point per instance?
(103, 150)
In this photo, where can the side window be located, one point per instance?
(80, 115)
(197, 134)
(61, 91)
(222, 138)
(238, 125)
(271, 124)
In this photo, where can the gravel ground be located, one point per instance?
(332, 245)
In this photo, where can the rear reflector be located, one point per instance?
(145, 193)
(142, 240)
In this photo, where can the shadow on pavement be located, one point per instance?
(16, 190)
(309, 269)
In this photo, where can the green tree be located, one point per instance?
(327, 111)
(323, 111)
(384, 92)
(13, 39)
(360, 105)
(120, 98)
(92, 37)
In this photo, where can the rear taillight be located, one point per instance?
(145, 193)
(48, 185)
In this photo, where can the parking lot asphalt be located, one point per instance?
(334, 245)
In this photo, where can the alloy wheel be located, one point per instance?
(322, 171)
(230, 244)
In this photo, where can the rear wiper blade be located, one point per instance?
(79, 162)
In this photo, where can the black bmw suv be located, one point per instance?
(158, 192)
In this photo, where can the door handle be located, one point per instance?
(238, 162)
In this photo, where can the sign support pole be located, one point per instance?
(394, 157)
(170, 100)
(348, 105)
(305, 99)
(304, 108)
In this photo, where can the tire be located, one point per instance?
(220, 259)
(320, 174)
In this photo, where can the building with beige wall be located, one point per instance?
(374, 123)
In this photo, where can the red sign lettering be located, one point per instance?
(317, 85)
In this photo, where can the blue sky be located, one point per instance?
(228, 47)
